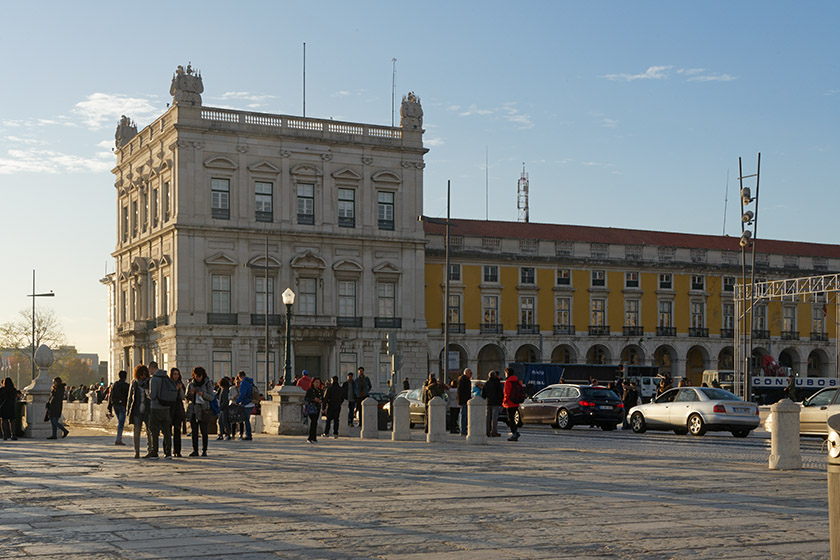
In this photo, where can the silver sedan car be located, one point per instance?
(813, 416)
(696, 410)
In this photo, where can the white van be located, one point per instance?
(724, 378)
(646, 386)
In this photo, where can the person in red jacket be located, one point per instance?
(514, 394)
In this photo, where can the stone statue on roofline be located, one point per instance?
(187, 86)
(411, 113)
(126, 130)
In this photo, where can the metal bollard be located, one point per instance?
(784, 436)
(343, 428)
(834, 484)
(401, 419)
(370, 429)
(436, 420)
(476, 421)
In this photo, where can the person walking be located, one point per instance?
(138, 406)
(464, 395)
(348, 389)
(246, 399)
(55, 405)
(630, 398)
(313, 403)
(199, 394)
(363, 388)
(8, 412)
(223, 396)
(117, 401)
(178, 415)
(304, 381)
(162, 397)
(514, 395)
(333, 397)
(492, 392)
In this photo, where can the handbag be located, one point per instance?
(311, 408)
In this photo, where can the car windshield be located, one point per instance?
(599, 393)
(719, 394)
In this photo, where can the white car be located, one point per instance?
(814, 412)
(696, 410)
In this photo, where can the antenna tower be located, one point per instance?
(522, 196)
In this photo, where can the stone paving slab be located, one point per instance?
(573, 495)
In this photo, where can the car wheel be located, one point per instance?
(680, 431)
(696, 426)
(637, 423)
(741, 433)
(564, 420)
(608, 427)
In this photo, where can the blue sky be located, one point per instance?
(626, 114)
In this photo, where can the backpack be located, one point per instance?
(517, 393)
(168, 393)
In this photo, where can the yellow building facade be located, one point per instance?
(524, 292)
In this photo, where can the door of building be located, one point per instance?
(311, 364)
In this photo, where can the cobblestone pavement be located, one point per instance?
(575, 494)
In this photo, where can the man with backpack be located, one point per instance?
(514, 395)
(162, 394)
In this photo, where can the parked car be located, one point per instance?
(564, 406)
(416, 408)
(814, 412)
(696, 410)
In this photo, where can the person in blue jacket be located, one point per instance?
(246, 400)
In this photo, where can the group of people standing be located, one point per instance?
(318, 401)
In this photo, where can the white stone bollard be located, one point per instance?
(476, 421)
(784, 436)
(370, 429)
(436, 420)
(401, 420)
(343, 427)
(91, 405)
(37, 394)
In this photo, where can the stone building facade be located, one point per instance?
(210, 201)
(528, 292)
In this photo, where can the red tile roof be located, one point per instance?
(590, 234)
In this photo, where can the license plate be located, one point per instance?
(741, 409)
(605, 407)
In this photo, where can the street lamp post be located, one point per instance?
(33, 295)
(288, 299)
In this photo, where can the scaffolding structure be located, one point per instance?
(522, 196)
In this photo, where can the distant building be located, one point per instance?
(204, 193)
(531, 292)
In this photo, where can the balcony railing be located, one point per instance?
(387, 225)
(458, 328)
(666, 331)
(528, 329)
(568, 330)
(354, 322)
(306, 219)
(220, 213)
(761, 333)
(491, 328)
(598, 330)
(387, 322)
(634, 331)
(222, 319)
(727, 333)
(819, 336)
(258, 319)
(698, 332)
(790, 335)
(347, 221)
(263, 216)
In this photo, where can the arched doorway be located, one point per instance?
(818, 364)
(632, 355)
(527, 353)
(696, 361)
(726, 359)
(664, 358)
(789, 358)
(598, 354)
(454, 371)
(564, 354)
(490, 357)
(758, 360)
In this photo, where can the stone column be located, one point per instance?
(343, 428)
(476, 421)
(370, 427)
(784, 436)
(37, 394)
(436, 420)
(401, 419)
(290, 411)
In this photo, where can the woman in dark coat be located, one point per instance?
(199, 394)
(312, 403)
(55, 405)
(138, 405)
(8, 402)
(333, 397)
(178, 415)
(223, 396)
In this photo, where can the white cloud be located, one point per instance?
(507, 111)
(433, 142)
(52, 162)
(247, 96)
(652, 73)
(475, 110)
(690, 71)
(832, 92)
(101, 109)
(19, 140)
(712, 78)
(513, 115)
(609, 123)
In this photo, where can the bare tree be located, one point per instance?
(16, 335)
